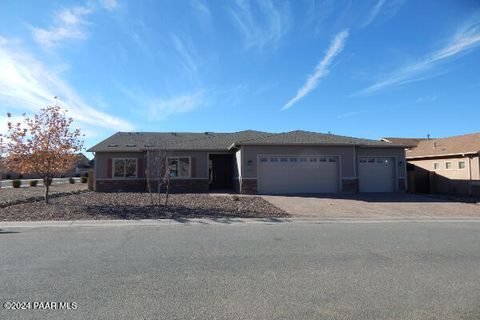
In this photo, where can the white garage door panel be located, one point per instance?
(376, 174)
(298, 174)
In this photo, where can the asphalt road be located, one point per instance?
(289, 270)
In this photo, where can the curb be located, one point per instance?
(222, 221)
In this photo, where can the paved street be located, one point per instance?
(285, 270)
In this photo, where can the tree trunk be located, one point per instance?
(46, 183)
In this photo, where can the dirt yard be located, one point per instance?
(96, 205)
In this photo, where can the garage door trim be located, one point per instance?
(339, 159)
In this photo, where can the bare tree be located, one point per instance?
(157, 166)
(3, 161)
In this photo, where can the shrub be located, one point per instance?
(16, 183)
(83, 179)
(71, 180)
(33, 183)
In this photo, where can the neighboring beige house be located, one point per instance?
(249, 162)
(447, 165)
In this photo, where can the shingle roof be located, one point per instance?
(409, 142)
(300, 137)
(464, 144)
(139, 141)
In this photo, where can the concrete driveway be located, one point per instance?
(378, 206)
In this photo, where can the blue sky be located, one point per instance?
(362, 68)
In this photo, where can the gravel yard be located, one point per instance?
(10, 196)
(96, 205)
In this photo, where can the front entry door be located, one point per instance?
(221, 171)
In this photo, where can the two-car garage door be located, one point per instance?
(298, 174)
(320, 174)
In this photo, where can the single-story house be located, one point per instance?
(447, 165)
(248, 162)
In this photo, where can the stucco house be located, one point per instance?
(249, 162)
(448, 165)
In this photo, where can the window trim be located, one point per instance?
(464, 165)
(125, 168)
(178, 159)
(451, 165)
(436, 169)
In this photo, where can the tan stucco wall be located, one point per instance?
(386, 152)
(454, 173)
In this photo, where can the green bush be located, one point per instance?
(16, 183)
(84, 179)
(33, 183)
(71, 180)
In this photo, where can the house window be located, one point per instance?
(436, 166)
(125, 168)
(273, 159)
(302, 159)
(293, 159)
(263, 159)
(283, 159)
(332, 160)
(313, 159)
(448, 165)
(179, 167)
(461, 165)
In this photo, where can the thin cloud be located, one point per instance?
(201, 7)
(373, 13)
(109, 4)
(67, 24)
(160, 109)
(266, 28)
(321, 70)
(184, 49)
(26, 84)
(468, 38)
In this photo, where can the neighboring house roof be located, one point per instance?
(82, 160)
(464, 144)
(300, 137)
(409, 142)
(139, 141)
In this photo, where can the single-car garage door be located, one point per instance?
(376, 174)
(298, 174)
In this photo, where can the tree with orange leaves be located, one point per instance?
(45, 144)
